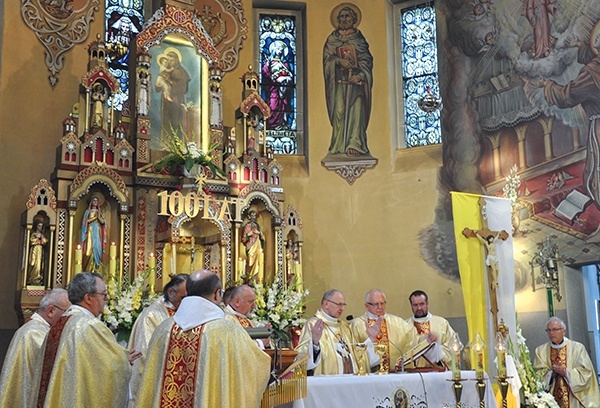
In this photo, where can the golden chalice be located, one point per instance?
(381, 351)
(361, 349)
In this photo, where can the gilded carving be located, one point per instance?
(59, 27)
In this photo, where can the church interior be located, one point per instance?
(92, 112)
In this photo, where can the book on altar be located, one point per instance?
(572, 205)
(409, 359)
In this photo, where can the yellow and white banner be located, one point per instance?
(470, 253)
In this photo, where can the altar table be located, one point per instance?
(429, 389)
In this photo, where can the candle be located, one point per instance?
(112, 263)
(501, 354)
(152, 267)
(455, 349)
(78, 260)
(478, 347)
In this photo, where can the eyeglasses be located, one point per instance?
(336, 303)
(554, 330)
(380, 304)
(60, 308)
(103, 294)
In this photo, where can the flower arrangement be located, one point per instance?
(534, 387)
(184, 153)
(279, 306)
(126, 302)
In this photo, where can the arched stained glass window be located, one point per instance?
(278, 79)
(123, 19)
(419, 73)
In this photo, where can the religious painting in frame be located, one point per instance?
(179, 91)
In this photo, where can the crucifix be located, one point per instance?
(488, 238)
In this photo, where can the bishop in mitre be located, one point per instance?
(199, 359)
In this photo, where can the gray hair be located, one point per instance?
(84, 283)
(372, 291)
(329, 294)
(52, 297)
(557, 319)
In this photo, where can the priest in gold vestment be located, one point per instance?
(83, 364)
(199, 359)
(426, 323)
(151, 317)
(240, 305)
(378, 327)
(328, 340)
(24, 355)
(569, 371)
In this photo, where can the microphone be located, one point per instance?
(259, 332)
(401, 356)
(349, 318)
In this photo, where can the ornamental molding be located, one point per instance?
(58, 27)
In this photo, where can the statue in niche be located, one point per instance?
(292, 259)
(94, 233)
(254, 241)
(37, 244)
(252, 125)
(143, 100)
(99, 96)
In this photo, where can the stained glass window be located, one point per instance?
(278, 80)
(419, 74)
(123, 19)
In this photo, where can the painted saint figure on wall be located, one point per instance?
(94, 233)
(538, 14)
(37, 244)
(348, 66)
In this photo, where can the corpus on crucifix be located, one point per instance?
(488, 238)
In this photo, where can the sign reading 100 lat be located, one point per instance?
(190, 204)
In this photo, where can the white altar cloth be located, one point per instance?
(376, 391)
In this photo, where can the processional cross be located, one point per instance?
(488, 238)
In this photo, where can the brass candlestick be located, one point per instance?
(381, 350)
(502, 381)
(457, 389)
(480, 385)
(361, 349)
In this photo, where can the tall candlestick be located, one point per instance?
(152, 267)
(78, 260)
(112, 263)
(501, 347)
(455, 349)
(478, 345)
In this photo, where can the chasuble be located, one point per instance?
(23, 359)
(581, 386)
(84, 366)
(437, 325)
(336, 354)
(399, 336)
(210, 363)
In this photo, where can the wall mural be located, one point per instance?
(521, 98)
(348, 71)
(58, 24)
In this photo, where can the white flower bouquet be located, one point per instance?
(281, 307)
(534, 388)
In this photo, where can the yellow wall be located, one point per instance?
(355, 237)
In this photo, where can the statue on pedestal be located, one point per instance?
(254, 241)
(37, 242)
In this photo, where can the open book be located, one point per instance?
(409, 359)
(572, 205)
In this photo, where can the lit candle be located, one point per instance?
(501, 354)
(112, 263)
(478, 347)
(152, 267)
(78, 260)
(455, 349)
